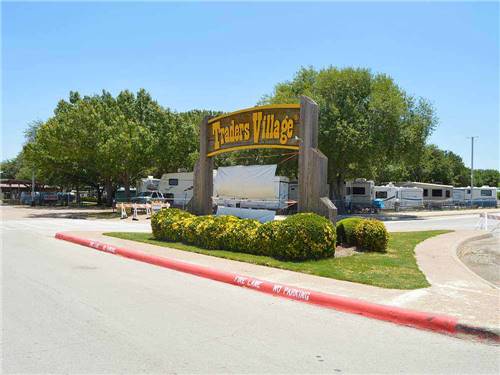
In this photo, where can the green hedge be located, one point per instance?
(371, 235)
(167, 225)
(299, 237)
(304, 236)
(345, 230)
(366, 234)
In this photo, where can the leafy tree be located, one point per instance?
(102, 141)
(490, 177)
(9, 168)
(366, 121)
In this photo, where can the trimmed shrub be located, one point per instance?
(345, 230)
(167, 224)
(304, 236)
(194, 228)
(267, 237)
(241, 235)
(300, 237)
(371, 235)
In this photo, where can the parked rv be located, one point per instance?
(435, 195)
(359, 194)
(397, 197)
(484, 196)
(177, 188)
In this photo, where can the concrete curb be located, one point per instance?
(428, 321)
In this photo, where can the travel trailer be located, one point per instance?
(434, 195)
(147, 184)
(359, 193)
(484, 196)
(385, 196)
(390, 197)
(410, 197)
(252, 186)
(177, 188)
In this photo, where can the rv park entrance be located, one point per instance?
(285, 126)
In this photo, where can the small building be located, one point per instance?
(11, 189)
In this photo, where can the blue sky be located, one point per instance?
(225, 56)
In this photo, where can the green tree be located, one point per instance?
(102, 141)
(366, 121)
(490, 177)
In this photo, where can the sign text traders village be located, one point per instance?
(259, 127)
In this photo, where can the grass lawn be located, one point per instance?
(395, 269)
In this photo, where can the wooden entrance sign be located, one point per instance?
(285, 126)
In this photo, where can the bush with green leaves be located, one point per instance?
(299, 237)
(304, 236)
(241, 235)
(345, 230)
(267, 237)
(167, 224)
(371, 235)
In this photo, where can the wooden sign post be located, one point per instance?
(287, 126)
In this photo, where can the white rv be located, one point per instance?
(147, 184)
(359, 193)
(484, 196)
(410, 197)
(386, 196)
(434, 195)
(177, 188)
(252, 186)
(396, 197)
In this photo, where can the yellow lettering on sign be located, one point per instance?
(246, 129)
(215, 132)
(256, 119)
(264, 130)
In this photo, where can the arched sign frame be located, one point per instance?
(287, 126)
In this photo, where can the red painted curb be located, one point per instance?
(428, 321)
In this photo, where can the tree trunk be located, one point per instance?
(78, 195)
(99, 195)
(126, 186)
(109, 193)
(339, 193)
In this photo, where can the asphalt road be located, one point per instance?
(68, 309)
(461, 222)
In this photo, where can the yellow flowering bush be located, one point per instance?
(167, 224)
(304, 236)
(241, 235)
(299, 237)
(267, 237)
(371, 235)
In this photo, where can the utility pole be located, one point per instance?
(33, 187)
(472, 162)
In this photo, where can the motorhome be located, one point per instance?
(434, 195)
(484, 196)
(252, 186)
(147, 184)
(359, 193)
